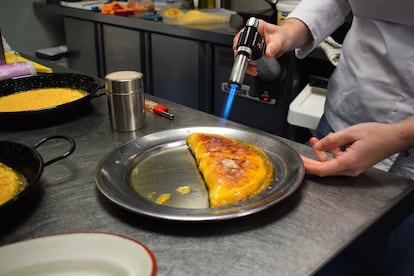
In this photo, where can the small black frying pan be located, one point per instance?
(28, 162)
(55, 114)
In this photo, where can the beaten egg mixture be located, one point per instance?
(39, 99)
(11, 183)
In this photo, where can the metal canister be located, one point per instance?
(125, 93)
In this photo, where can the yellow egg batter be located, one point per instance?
(184, 190)
(11, 183)
(163, 198)
(39, 99)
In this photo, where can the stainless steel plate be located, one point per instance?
(137, 173)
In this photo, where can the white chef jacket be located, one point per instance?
(374, 79)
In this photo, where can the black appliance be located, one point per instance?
(260, 104)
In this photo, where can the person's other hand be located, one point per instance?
(365, 145)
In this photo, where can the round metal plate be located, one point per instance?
(136, 173)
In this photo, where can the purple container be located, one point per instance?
(18, 69)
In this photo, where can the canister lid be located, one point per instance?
(124, 82)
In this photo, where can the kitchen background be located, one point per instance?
(26, 31)
(207, 65)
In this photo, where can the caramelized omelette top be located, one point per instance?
(233, 170)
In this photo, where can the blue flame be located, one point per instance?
(229, 101)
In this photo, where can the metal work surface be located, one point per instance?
(298, 236)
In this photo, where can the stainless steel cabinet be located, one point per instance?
(122, 49)
(174, 68)
(98, 49)
(180, 70)
(250, 110)
(83, 49)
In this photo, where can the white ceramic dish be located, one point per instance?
(307, 108)
(86, 254)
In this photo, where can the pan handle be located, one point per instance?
(101, 93)
(64, 155)
(101, 89)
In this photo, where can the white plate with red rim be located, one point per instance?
(87, 254)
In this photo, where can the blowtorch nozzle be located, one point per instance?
(248, 40)
(239, 69)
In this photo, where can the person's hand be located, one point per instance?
(365, 145)
(275, 38)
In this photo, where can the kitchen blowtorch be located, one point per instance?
(251, 46)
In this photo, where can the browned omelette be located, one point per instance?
(232, 170)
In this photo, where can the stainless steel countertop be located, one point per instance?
(298, 237)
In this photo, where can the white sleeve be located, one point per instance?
(322, 17)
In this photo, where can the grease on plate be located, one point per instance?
(184, 190)
(173, 172)
(163, 198)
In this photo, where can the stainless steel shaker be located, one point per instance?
(125, 94)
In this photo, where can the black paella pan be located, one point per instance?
(54, 114)
(29, 163)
